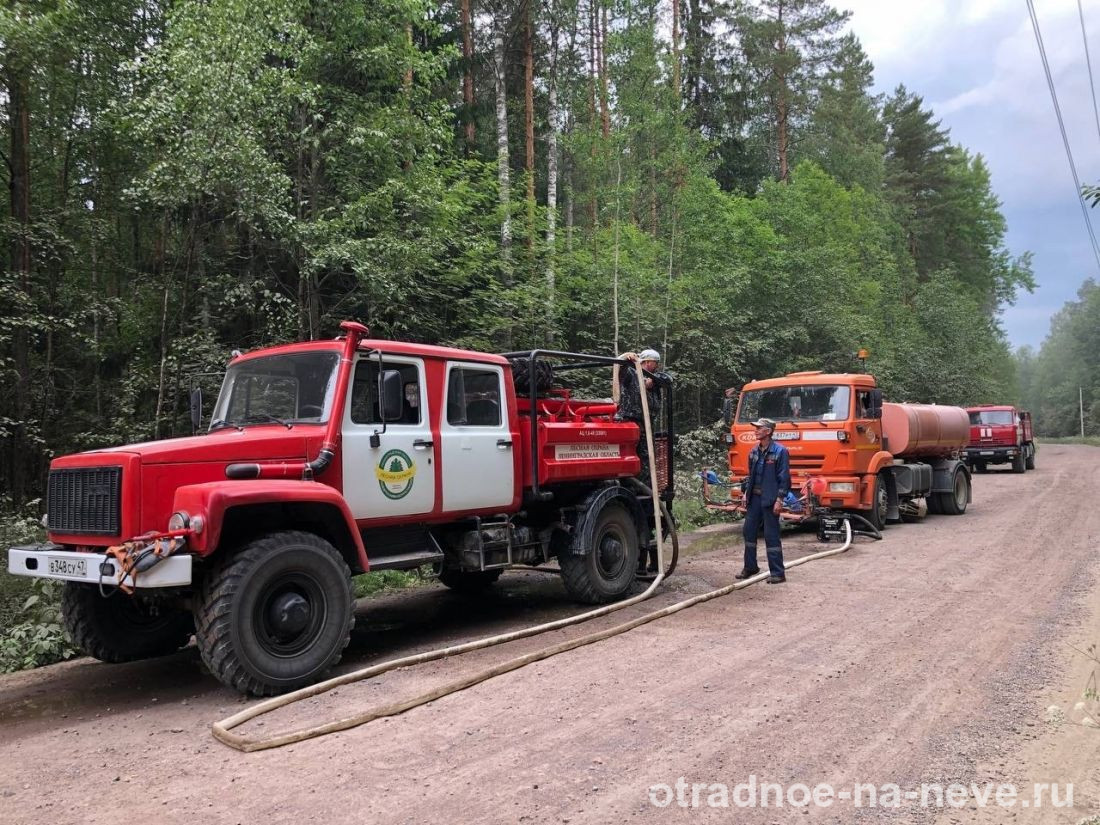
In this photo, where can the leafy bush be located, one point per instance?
(368, 584)
(36, 637)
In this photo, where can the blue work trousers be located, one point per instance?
(756, 517)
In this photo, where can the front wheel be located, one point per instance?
(275, 615)
(1019, 464)
(606, 570)
(122, 628)
(877, 514)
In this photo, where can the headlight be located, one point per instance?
(842, 435)
(842, 487)
(179, 521)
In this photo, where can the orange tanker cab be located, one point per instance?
(861, 454)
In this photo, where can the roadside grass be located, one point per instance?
(371, 584)
(1089, 440)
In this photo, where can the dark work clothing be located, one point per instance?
(630, 401)
(769, 478)
(770, 473)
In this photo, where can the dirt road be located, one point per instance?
(929, 657)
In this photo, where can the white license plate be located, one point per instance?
(786, 435)
(68, 567)
(987, 452)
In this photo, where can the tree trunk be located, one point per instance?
(503, 182)
(20, 257)
(605, 114)
(676, 50)
(552, 174)
(529, 119)
(781, 103)
(468, 74)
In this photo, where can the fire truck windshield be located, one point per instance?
(795, 403)
(990, 417)
(279, 389)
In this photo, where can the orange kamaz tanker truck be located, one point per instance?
(850, 451)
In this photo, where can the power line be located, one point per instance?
(1088, 62)
(1062, 128)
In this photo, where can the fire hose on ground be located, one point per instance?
(222, 730)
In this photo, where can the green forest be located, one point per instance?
(712, 178)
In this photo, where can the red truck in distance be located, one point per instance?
(330, 458)
(1000, 434)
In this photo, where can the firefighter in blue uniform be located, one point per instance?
(765, 488)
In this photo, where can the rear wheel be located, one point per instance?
(468, 581)
(122, 628)
(607, 568)
(1029, 462)
(275, 615)
(954, 503)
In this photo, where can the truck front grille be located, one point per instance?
(807, 463)
(85, 501)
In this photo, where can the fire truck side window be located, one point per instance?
(473, 398)
(364, 393)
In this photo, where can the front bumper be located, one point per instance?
(52, 561)
(991, 455)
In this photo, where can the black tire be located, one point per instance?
(1019, 465)
(933, 502)
(1029, 462)
(877, 514)
(468, 581)
(980, 467)
(275, 615)
(606, 570)
(954, 503)
(122, 628)
(521, 369)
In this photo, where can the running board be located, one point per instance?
(404, 561)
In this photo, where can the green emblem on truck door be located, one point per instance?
(395, 473)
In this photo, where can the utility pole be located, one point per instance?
(1081, 409)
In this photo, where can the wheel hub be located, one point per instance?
(289, 614)
(611, 553)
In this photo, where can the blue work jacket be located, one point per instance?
(775, 479)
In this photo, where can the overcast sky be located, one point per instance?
(976, 64)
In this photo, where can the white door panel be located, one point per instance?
(477, 449)
(397, 478)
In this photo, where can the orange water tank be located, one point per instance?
(928, 430)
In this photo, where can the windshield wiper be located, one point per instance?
(255, 418)
(221, 423)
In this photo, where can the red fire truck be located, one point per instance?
(327, 459)
(1000, 434)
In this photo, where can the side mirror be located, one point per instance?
(392, 395)
(196, 410)
(876, 403)
(727, 411)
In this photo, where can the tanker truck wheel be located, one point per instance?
(954, 502)
(877, 514)
(122, 628)
(606, 571)
(275, 615)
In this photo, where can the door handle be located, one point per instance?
(421, 444)
(504, 443)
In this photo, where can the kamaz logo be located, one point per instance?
(97, 490)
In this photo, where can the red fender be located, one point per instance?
(212, 500)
